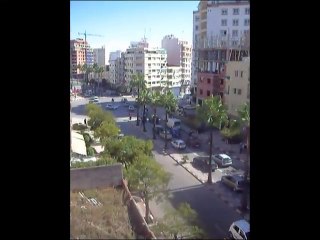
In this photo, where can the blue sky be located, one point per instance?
(120, 22)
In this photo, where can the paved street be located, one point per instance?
(215, 204)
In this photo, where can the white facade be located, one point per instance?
(150, 62)
(114, 55)
(179, 54)
(119, 70)
(174, 76)
(99, 55)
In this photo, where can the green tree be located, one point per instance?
(155, 101)
(244, 114)
(97, 115)
(215, 114)
(128, 149)
(148, 177)
(180, 222)
(143, 99)
(138, 82)
(169, 103)
(106, 130)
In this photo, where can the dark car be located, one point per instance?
(159, 129)
(202, 163)
(193, 141)
(235, 182)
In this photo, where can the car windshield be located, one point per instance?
(227, 160)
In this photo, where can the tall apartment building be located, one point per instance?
(179, 54)
(99, 55)
(151, 62)
(119, 70)
(79, 48)
(220, 34)
(113, 56)
(237, 84)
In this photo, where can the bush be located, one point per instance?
(79, 127)
(91, 151)
(232, 135)
(88, 140)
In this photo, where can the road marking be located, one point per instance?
(196, 154)
(220, 170)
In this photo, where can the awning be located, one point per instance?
(78, 144)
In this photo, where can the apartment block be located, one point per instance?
(81, 53)
(237, 85)
(99, 55)
(220, 34)
(113, 56)
(120, 70)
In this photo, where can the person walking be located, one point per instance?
(129, 116)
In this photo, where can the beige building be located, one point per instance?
(237, 87)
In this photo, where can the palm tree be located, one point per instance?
(169, 102)
(100, 71)
(143, 99)
(137, 82)
(155, 97)
(215, 114)
(244, 114)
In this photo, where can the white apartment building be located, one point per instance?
(237, 87)
(99, 55)
(119, 70)
(113, 56)
(151, 62)
(179, 53)
(220, 24)
(174, 79)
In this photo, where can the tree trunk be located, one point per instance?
(144, 118)
(244, 200)
(147, 208)
(154, 122)
(210, 157)
(138, 121)
(165, 131)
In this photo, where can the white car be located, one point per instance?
(162, 134)
(223, 160)
(131, 108)
(240, 230)
(112, 107)
(179, 144)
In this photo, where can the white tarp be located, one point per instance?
(78, 144)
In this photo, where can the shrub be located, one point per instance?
(79, 127)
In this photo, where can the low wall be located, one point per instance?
(96, 177)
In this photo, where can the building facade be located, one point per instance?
(99, 55)
(179, 53)
(81, 53)
(113, 56)
(220, 34)
(119, 70)
(237, 85)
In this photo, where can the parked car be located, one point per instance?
(193, 141)
(178, 144)
(131, 108)
(159, 129)
(202, 163)
(236, 182)
(240, 230)
(162, 134)
(111, 107)
(223, 160)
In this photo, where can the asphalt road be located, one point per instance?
(215, 215)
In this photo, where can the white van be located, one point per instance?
(174, 123)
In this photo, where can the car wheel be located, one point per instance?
(230, 235)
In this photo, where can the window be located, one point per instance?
(201, 92)
(234, 43)
(196, 27)
(236, 73)
(236, 11)
(224, 11)
(247, 22)
(208, 93)
(208, 80)
(246, 32)
(235, 22)
(236, 228)
(228, 89)
(239, 91)
(247, 11)
(221, 81)
(224, 22)
(197, 18)
(241, 74)
(235, 91)
(234, 33)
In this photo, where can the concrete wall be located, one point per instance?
(95, 177)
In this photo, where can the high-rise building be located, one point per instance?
(179, 54)
(79, 48)
(99, 55)
(113, 56)
(119, 70)
(220, 34)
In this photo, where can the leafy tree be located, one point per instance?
(128, 149)
(215, 114)
(155, 98)
(91, 151)
(143, 99)
(148, 177)
(181, 221)
(169, 102)
(97, 115)
(244, 114)
(87, 139)
(106, 130)
(138, 83)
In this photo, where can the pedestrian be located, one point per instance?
(112, 100)
(85, 121)
(129, 116)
